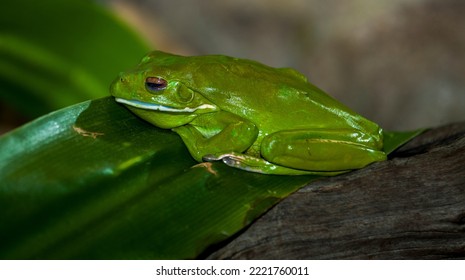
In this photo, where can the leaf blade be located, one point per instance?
(93, 181)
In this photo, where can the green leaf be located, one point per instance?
(57, 53)
(93, 181)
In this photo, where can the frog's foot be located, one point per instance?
(259, 165)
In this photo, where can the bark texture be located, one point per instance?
(409, 207)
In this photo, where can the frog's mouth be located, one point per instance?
(162, 108)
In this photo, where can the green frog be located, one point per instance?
(249, 115)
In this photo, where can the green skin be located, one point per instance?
(249, 115)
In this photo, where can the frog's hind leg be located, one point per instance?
(259, 165)
(321, 150)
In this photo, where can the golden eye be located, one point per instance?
(155, 84)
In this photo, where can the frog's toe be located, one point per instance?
(212, 157)
(231, 161)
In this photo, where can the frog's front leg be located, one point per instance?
(323, 150)
(217, 133)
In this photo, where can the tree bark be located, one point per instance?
(409, 207)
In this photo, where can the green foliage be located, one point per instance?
(57, 53)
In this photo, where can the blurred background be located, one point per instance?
(400, 63)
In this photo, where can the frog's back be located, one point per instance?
(280, 98)
(274, 99)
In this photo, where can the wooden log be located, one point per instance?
(409, 207)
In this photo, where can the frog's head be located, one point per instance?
(158, 91)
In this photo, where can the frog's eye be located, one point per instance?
(155, 84)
